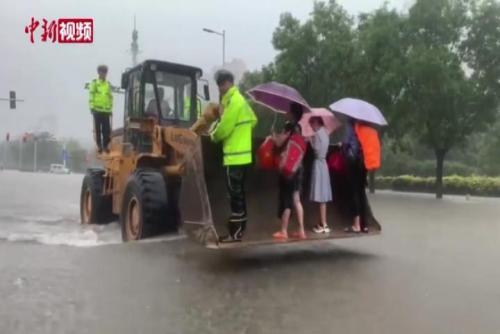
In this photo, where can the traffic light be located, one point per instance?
(12, 98)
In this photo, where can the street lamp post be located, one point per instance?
(223, 35)
(20, 154)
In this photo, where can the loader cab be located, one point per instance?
(158, 92)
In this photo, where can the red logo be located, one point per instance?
(65, 30)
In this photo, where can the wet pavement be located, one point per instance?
(434, 269)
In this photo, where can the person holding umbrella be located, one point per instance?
(285, 99)
(356, 175)
(290, 187)
(361, 148)
(317, 126)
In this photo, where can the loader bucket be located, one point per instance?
(206, 216)
(194, 202)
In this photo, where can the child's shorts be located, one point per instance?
(287, 187)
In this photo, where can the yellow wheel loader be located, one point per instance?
(163, 175)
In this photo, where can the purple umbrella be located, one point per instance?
(277, 96)
(360, 110)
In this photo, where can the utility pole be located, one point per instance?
(21, 141)
(65, 154)
(35, 142)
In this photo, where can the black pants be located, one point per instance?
(357, 191)
(235, 181)
(102, 128)
(287, 187)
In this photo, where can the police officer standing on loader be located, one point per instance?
(101, 106)
(234, 130)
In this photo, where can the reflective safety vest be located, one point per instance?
(234, 129)
(100, 96)
(187, 107)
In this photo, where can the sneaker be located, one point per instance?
(327, 229)
(236, 231)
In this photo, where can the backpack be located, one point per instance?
(266, 157)
(370, 144)
(337, 163)
(292, 155)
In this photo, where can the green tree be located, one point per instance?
(379, 68)
(481, 48)
(446, 105)
(251, 79)
(434, 71)
(489, 153)
(316, 57)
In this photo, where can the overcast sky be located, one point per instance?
(51, 77)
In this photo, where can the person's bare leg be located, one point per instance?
(285, 220)
(300, 211)
(357, 224)
(322, 212)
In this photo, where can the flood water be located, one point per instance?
(432, 270)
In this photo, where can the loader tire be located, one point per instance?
(95, 208)
(145, 208)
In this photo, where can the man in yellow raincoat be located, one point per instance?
(234, 129)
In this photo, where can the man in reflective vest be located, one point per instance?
(101, 106)
(187, 108)
(234, 130)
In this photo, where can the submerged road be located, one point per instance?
(435, 269)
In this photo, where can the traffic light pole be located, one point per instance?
(12, 99)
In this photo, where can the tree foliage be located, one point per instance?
(316, 57)
(434, 70)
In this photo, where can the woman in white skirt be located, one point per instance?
(321, 189)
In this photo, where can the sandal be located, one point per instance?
(299, 235)
(319, 229)
(351, 229)
(280, 235)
